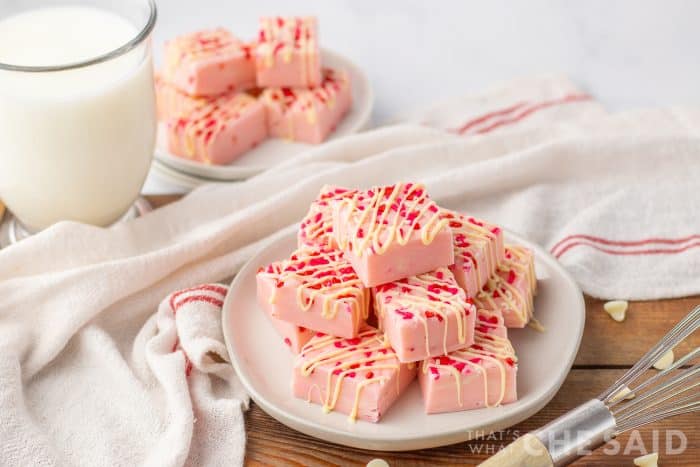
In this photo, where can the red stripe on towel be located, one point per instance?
(646, 241)
(496, 113)
(220, 289)
(629, 252)
(531, 110)
(582, 238)
(198, 298)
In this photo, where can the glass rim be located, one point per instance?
(119, 51)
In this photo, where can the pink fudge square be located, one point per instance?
(478, 250)
(360, 377)
(209, 63)
(295, 337)
(425, 315)
(392, 232)
(316, 229)
(171, 102)
(511, 290)
(308, 115)
(483, 375)
(316, 289)
(219, 132)
(287, 53)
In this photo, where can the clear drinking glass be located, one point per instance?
(77, 108)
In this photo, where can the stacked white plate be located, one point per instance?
(189, 174)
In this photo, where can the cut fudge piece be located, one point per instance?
(171, 102)
(219, 132)
(293, 336)
(360, 377)
(208, 63)
(483, 375)
(287, 52)
(392, 232)
(308, 115)
(511, 290)
(425, 315)
(478, 250)
(316, 289)
(316, 229)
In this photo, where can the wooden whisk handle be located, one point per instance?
(526, 451)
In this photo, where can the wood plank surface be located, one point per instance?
(607, 349)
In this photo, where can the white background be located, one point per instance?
(626, 53)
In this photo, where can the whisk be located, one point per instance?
(631, 402)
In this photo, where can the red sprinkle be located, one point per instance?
(405, 314)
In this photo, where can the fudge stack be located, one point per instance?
(218, 96)
(387, 286)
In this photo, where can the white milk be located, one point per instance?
(76, 144)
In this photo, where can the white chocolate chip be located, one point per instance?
(623, 394)
(650, 460)
(617, 309)
(665, 361)
(536, 325)
(377, 463)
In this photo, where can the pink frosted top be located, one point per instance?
(367, 359)
(283, 35)
(433, 295)
(384, 216)
(320, 274)
(203, 45)
(208, 120)
(487, 351)
(466, 231)
(316, 228)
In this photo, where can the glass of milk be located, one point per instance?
(77, 108)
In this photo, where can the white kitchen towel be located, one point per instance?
(613, 196)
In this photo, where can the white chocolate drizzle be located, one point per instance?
(371, 221)
(493, 349)
(321, 274)
(306, 101)
(198, 131)
(316, 229)
(501, 293)
(434, 295)
(473, 235)
(282, 37)
(366, 356)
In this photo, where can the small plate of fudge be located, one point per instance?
(229, 109)
(385, 321)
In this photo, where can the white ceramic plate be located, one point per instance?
(264, 365)
(273, 151)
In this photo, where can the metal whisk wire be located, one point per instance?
(666, 394)
(634, 400)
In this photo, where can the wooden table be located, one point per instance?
(607, 350)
